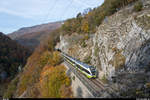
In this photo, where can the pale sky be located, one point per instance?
(15, 14)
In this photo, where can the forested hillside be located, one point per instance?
(12, 55)
(44, 75)
(32, 36)
(120, 47)
(87, 23)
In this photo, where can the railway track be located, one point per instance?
(94, 85)
(98, 83)
(90, 84)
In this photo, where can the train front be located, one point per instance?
(93, 71)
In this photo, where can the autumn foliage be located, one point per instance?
(52, 80)
(87, 22)
(43, 76)
(43, 63)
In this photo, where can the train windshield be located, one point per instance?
(93, 70)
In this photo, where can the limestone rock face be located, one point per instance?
(122, 42)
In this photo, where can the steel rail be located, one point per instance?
(95, 86)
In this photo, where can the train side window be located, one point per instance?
(83, 69)
(86, 71)
(72, 62)
(78, 66)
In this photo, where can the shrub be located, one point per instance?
(32, 73)
(96, 50)
(104, 79)
(51, 58)
(57, 59)
(52, 80)
(65, 92)
(11, 88)
(25, 81)
(88, 22)
(86, 37)
(118, 60)
(85, 26)
(138, 6)
(73, 77)
(83, 45)
(87, 60)
(44, 55)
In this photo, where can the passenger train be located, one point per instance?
(89, 71)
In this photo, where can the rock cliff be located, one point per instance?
(120, 50)
(121, 42)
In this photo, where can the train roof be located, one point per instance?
(79, 62)
(83, 64)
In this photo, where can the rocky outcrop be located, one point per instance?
(78, 46)
(120, 50)
(121, 43)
